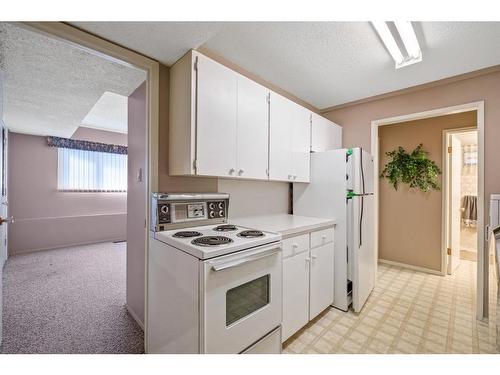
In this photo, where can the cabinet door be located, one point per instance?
(321, 279)
(301, 144)
(280, 138)
(325, 135)
(217, 99)
(253, 126)
(295, 293)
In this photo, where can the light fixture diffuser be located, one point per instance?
(411, 53)
(405, 30)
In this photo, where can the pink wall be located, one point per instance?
(103, 136)
(137, 156)
(46, 218)
(356, 119)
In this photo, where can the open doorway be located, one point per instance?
(481, 267)
(76, 121)
(461, 176)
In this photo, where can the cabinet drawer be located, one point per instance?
(295, 245)
(321, 237)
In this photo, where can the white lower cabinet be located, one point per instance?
(321, 283)
(295, 293)
(308, 277)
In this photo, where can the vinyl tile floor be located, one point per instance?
(409, 312)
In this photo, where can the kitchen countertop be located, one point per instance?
(287, 225)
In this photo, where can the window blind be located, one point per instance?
(91, 171)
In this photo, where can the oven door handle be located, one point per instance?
(220, 266)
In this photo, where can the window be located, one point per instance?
(92, 171)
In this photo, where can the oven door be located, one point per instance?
(241, 298)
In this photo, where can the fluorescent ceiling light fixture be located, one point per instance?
(405, 30)
(407, 54)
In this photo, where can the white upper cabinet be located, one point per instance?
(301, 144)
(325, 134)
(289, 140)
(223, 124)
(252, 135)
(216, 119)
(281, 112)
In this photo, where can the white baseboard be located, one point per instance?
(411, 267)
(134, 315)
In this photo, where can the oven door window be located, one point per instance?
(247, 298)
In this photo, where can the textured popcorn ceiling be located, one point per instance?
(323, 63)
(50, 86)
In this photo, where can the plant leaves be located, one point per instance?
(414, 169)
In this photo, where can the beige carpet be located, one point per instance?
(68, 300)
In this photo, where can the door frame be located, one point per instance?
(482, 287)
(110, 51)
(447, 133)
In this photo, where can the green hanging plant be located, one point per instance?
(414, 169)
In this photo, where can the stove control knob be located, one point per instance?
(211, 206)
(164, 209)
(212, 214)
(221, 205)
(221, 213)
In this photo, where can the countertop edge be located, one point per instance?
(306, 229)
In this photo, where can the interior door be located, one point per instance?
(216, 116)
(301, 144)
(455, 168)
(253, 127)
(280, 138)
(363, 250)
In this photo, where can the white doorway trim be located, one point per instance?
(482, 259)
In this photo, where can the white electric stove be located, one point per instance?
(211, 241)
(213, 287)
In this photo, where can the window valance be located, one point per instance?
(76, 144)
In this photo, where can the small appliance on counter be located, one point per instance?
(212, 287)
(342, 187)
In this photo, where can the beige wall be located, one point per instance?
(410, 221)
(47, 218)
(255, 197)
(356, 119)
(103, 136)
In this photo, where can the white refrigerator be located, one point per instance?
(341, 187)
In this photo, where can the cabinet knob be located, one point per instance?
(314, 256)
(308, 260)
(295, 245)
(323, 237)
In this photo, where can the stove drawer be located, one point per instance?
(295, 245)
(270, 344)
